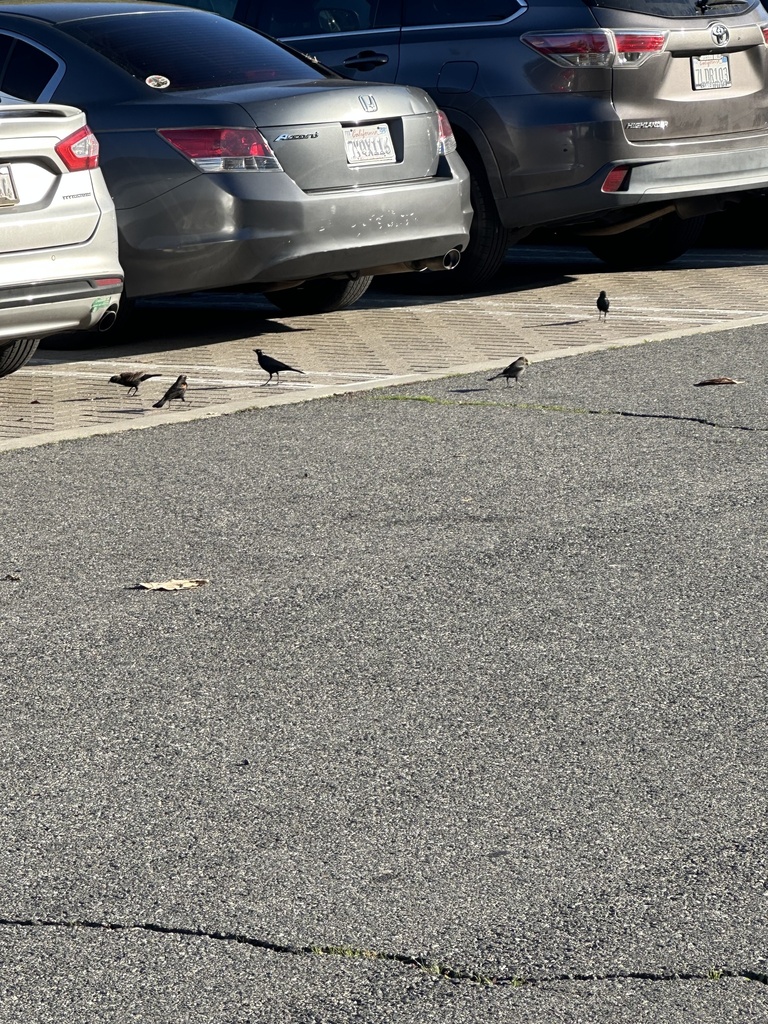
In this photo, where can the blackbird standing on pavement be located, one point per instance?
(603, 305)
(515, 370)
(177, 390)
(131, 380)
(273, 366)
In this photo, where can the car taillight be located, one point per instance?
(764, 30)
(633, 48)
(596, 48)
(223, 149)
(446, 142)
(572, 49)
(80, 150)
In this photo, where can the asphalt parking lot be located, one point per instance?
(543, 302)
(467, 723)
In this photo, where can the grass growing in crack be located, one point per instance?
(568, 410)
(486, 403)
(434, 969)
(346, 951)
(431, 967)
(413, 398)
(431, 400)
(715, 974)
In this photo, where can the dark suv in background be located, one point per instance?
(622, 121)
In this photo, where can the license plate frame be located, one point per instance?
(711, 71)
(369, 144)
(8, 194)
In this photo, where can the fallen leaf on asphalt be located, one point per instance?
(718, 380)
(171, 585)
(10, 578)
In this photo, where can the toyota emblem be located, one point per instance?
(720, 34)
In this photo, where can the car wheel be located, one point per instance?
(487, 246)
(488, 238)
(322, 296)
(14, 354)
(650, 245)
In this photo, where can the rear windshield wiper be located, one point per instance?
(704, 5)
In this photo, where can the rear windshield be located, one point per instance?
(677, 8)
(177, 50)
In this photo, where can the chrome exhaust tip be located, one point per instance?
(446, 262)
(108, 320)
(451, 259)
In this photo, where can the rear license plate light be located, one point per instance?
(369, 144)
(8, 195)
(711, 71)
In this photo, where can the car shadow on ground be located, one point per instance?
(178, 323)
(203, 318)
(547, 265)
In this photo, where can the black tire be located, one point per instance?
(14, 354)
(488, 238)
(649, 245)
(487, 246)
(323, 296)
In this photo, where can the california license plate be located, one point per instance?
(8, 195)
(369, 144)
(711, 71)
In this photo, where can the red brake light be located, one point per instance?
(446, 140)
(572, 49)
(636, 47)
(80, 150)
(596, 48)
(764, 30)
(223, 149)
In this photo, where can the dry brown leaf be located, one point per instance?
(172, 585)
(718, 380)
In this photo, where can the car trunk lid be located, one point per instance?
(349, 138)
(42, 204)
(709, 80)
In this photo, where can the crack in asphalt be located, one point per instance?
(574, 410)
(434, 968)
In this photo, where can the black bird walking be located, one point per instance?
(603, 305)
(273, 366)
(515, 370)
(131, 379)
(177, 390)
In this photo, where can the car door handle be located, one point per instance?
(366, 60)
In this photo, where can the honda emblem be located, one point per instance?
(368, 103)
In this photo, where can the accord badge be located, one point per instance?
(292, 138)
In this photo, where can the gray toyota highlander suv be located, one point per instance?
(622, 121)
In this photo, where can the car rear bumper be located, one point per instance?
(221, 230)
(554, 174)
(35, 310)
(665, 180)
